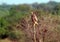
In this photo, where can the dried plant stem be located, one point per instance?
(34, 33)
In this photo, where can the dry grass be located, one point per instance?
(5, 40)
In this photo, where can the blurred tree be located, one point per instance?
(57, 9)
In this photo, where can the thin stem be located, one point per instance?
(34, 34)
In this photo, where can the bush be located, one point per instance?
(3, 28)
(3, 33)
(16, 35)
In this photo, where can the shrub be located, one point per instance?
(16, 35)
(3, 33)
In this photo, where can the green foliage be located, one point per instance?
(3, 27)
(4, 13)
(3, 31)
(23, 7)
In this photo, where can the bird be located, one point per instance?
(34, 18)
